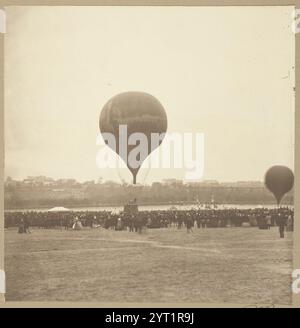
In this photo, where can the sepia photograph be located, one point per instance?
(149, 154)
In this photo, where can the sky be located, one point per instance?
(226, 72)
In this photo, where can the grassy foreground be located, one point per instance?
(236, 265)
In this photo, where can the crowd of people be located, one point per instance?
(194, 218)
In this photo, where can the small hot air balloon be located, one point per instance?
(279, 180)
(140, 112)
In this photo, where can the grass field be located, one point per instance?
(240, 265)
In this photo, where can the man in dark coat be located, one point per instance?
(189, 223)
(26, 225)
(281, 222)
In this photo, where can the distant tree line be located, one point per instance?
(20, 194)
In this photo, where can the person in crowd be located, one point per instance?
(189, 223)
(269, 221)
(281, 222)
(26, 225)
(21, 226)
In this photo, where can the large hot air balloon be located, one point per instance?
(140, 112)
(279, 180)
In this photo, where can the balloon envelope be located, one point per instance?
(140, 113)
(279, 180)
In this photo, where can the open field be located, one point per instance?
(240, 265)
